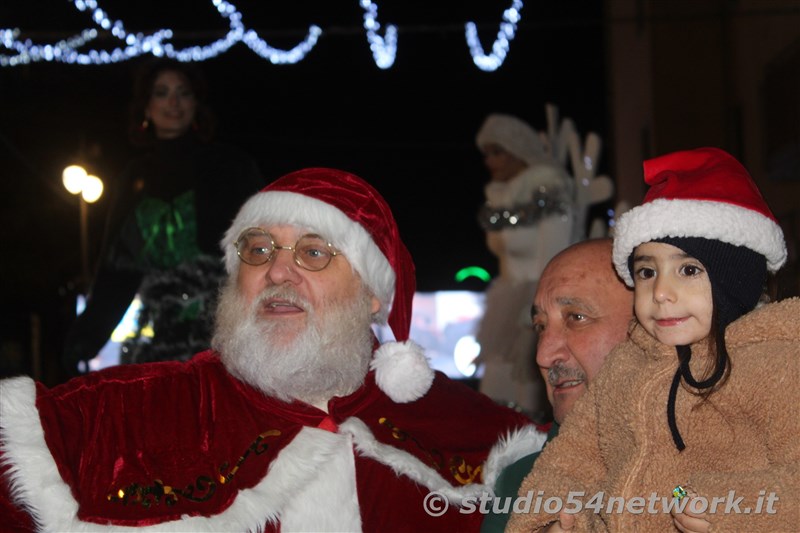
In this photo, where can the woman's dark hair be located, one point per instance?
(146, 75)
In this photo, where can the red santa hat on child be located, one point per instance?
(356, 219)
(704, 193)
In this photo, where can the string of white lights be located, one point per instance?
(384, 48)
(492, 61)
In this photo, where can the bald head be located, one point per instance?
(589, 258)
(581, 310)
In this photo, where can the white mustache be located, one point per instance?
(284, 293)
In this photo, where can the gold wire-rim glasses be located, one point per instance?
(312, 252)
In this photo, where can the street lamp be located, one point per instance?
(89, 188)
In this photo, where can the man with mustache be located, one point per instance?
(298, 419)
(581, 311)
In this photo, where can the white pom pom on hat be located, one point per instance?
(402, 371)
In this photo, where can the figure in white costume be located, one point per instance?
(534, 209)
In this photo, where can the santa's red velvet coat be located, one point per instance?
(186, 447)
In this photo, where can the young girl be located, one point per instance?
(702, 400)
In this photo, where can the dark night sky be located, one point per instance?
(410, 129)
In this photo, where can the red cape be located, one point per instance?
(176, 445)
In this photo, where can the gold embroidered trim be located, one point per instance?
(461, 471)
(203, 488)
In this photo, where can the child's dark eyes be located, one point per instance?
(691, 270)
(645, 273)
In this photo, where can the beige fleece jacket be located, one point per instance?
(745, 438)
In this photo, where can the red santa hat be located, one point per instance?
(356, 219)
(703, 193)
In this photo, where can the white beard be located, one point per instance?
(329, 358)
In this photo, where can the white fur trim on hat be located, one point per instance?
(514, 136)
(402, 371)
(719, 221)
(274, 208)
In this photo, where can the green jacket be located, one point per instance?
(507, 486)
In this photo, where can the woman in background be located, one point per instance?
(168, 212)
(528, 218)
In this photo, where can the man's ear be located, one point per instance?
(376, 305)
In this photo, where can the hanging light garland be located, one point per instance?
(384, 48)
(492, 61)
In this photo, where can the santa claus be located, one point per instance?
(296, 420)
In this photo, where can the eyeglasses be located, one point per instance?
(311, 252)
